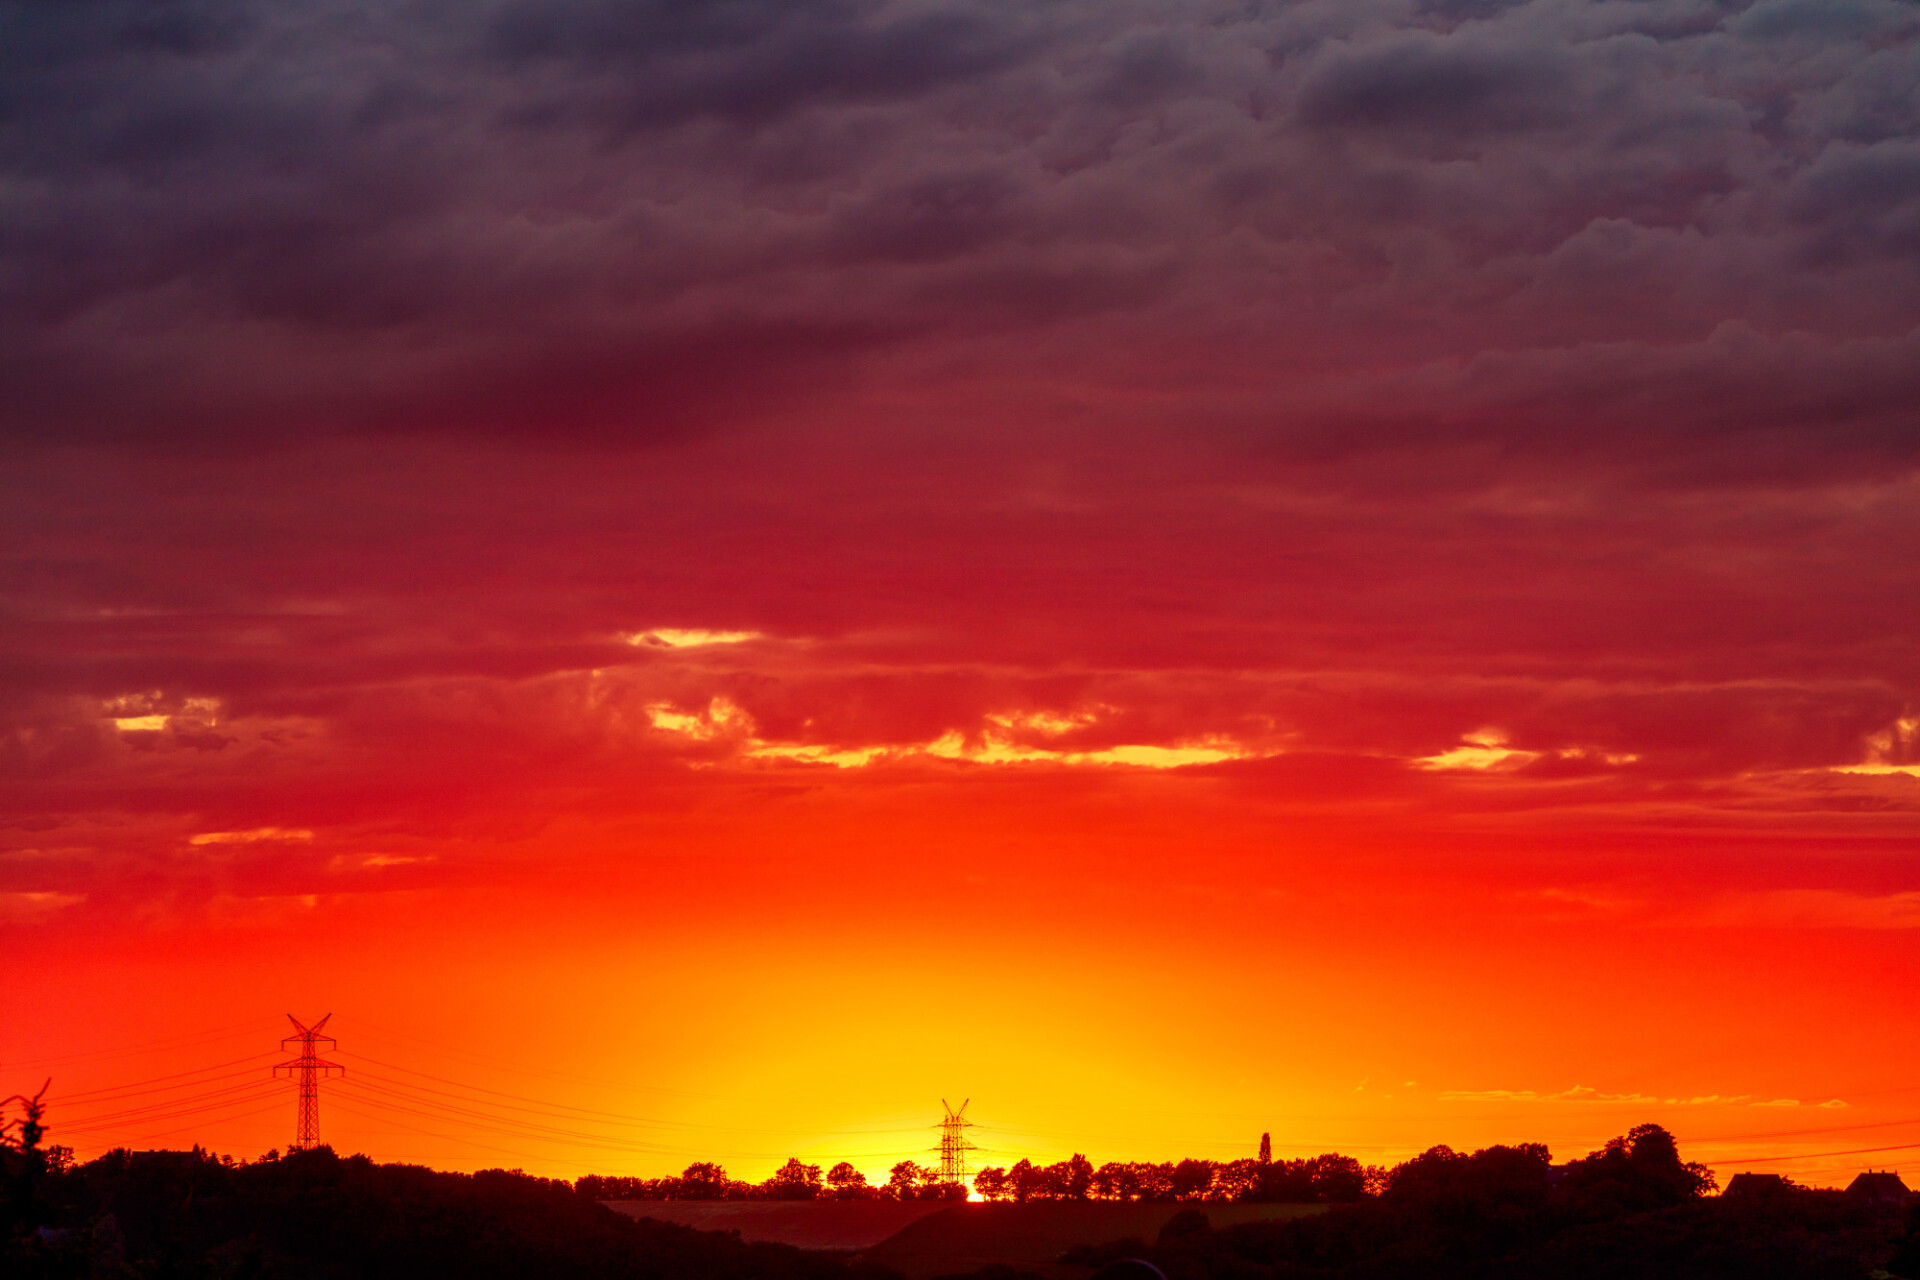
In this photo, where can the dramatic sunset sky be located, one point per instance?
(703, 574)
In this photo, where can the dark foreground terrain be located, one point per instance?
(314, 1216)
(1632, 1211)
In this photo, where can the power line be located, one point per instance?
(397, 1096)
(408, 1092)
(211, 1036)
(613, 1116)
(381, 1036)
(1801, 1133)
(1821, 1155)
(132, 1090)
(445, 1137)
(183, 1094)
(610, 1115)
(498, 1124)
(245, 1115)
(205, 1092)
(557, 1106)
(122, 1122)
(505, 1124)
(954, 1144)
(187, 1102)
(309, 1069)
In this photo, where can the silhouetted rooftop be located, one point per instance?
(1879, 1186)
(1754, 1184)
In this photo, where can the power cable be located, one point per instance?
(211, 1036)
(552, 1106)
(564, 1137)
(378, 1035)
(1819, 1155)
(1801, 1133)
(548, 1106)
(445, 1137)
(248, 1115)
(132, 1090)
(409, 1093)
(156, 1116)
(169, 1104)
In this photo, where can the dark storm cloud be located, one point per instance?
(1861, 199)
(248, 220)
(658, 63)
(936, 216)
(1739, 408)
(1468, 8)
(1422, 82)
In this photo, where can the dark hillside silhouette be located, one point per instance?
(312, 1215)
(1634, 1210)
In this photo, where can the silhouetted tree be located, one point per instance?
(1239, 1179)
(1025, 1182)
(1639, 1171)
(793, 1181)
(703, 1180)
(1076, 1177)
(1191, 1179)
(24, 1166)
(847, 1183)
(1116, 1180)
(992, 1184)
(906, 1179)
(1336, 1179)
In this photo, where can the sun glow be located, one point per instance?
(687, 637)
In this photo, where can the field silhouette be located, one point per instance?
(1632, 1210)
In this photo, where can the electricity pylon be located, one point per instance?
(309, 1068)
(954, 1144)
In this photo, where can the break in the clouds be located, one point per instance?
(430, 418)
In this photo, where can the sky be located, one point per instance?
(704, 576)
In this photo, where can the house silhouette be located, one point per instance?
(1742, 1185)
(1883, 1188)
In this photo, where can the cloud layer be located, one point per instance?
(1620, 230)
(1469, 412)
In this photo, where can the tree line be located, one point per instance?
(794, 1180)
(1632, 1210)
(1322, 1179)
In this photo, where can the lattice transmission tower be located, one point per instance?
(309, 1068)
(954, 1144)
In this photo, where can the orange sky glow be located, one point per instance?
(705, 577)
(1128, 962)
